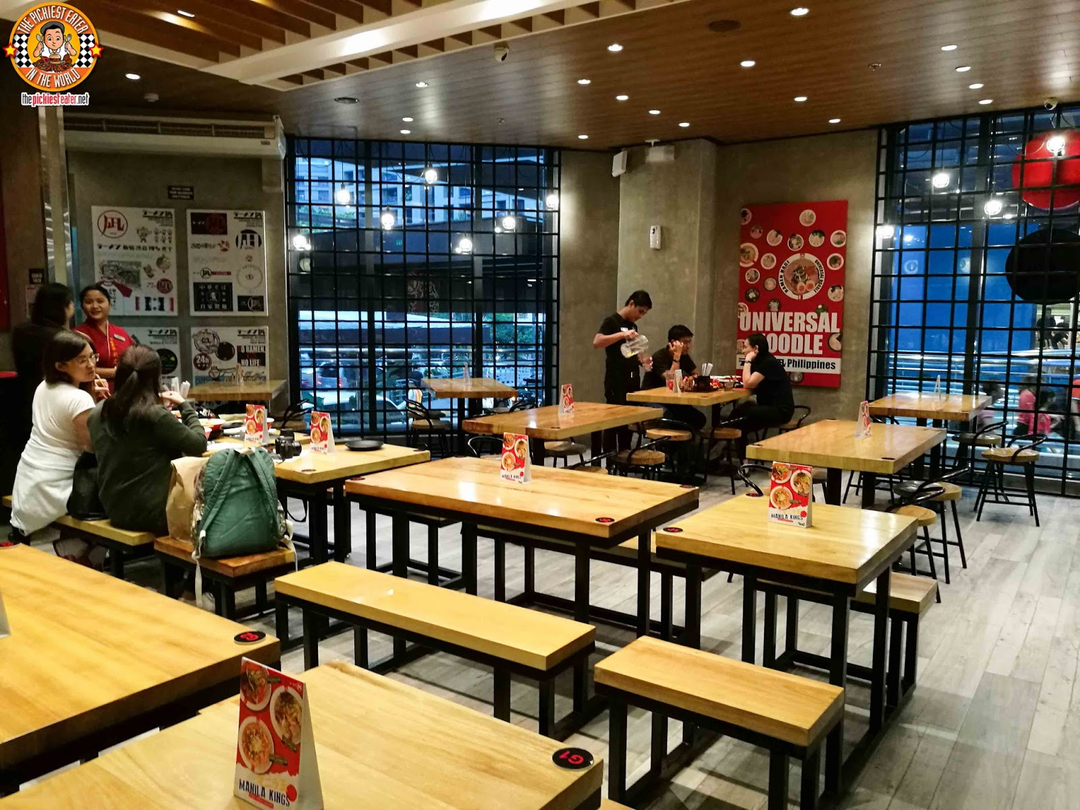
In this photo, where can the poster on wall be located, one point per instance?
(229, 354)
(135, 258)
(791, 288)
(165, 340)
(227, 262)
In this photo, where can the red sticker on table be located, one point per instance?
(573, 759)
(687, 486)
(249, 637)
(672, 530)
(6, 544)
(605, 520)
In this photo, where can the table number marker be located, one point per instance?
(573, 759)
(249, 637)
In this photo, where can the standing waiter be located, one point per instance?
(620, 372)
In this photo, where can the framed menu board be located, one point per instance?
(165, 340)
(792, 261)
(229, 354)
(135, 258)
(227, 262)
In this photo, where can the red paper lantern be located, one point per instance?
(1051, 159)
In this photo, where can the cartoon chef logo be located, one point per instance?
(53, 47)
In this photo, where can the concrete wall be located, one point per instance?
(588, 267)
(681, 198)
(828, 167)
(143, 180)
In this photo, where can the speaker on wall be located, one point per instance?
(618, 164)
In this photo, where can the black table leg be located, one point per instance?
(834, 486)
(881, 623)
(749, 619)
(936, 453)
(919, 465)
(399, 555)
(644, 583)
(869, 489)
(692, 611)
(342, 523)
(468, 557)
(597, 447)
(317, 524)
(581, 614)
(834, 744)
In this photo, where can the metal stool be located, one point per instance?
(994, 476)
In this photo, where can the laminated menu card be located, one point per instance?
(566, 403)
(255, 424)
(276, 766)
(5, 629)
(862, 431)
(791, 489)
(322, 432)
(516, 465)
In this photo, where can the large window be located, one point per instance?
(413, 260)
(956, 199)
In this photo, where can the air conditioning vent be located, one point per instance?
(119, 133)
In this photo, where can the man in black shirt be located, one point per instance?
(676, 357)
(621, 373)
(765, 376)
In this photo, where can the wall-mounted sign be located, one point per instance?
(165, 340)
(227, 262)
(229, 354)
(182, 192)
(792, 261)
(135, 258)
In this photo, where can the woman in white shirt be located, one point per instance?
(59, 434)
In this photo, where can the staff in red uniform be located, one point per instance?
(110, 341)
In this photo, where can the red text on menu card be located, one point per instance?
(276, 765)
(322, 433)
(566, 402)
(255, 424)
(515, 458)
(791, 488)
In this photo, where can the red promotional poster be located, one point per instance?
(792, 263)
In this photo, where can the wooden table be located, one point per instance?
(831, 443)
(463, 389)
(844, 551)
(382, 745)
(549, 425)
(93, 660)
(236, 392)
(715, 400)
(938, 408)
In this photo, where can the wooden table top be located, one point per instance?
(392, 744)
(565, 500)
(236, 392)
(548, 424)
(664, 396)
(469, 388)
(346, 463)
(948, 407)
(844, 544)
(832, 443)
(88, 650)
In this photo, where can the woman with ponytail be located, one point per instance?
(136, 438)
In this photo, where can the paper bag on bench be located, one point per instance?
(181, 500)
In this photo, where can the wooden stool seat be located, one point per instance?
(981, 440)
(907, 594)
(820, 474)
(949, 490)
(923, 516)
(589, 468)
(562, 449)
(669, 434)
(431, 424)
(1008, 455)
(640, 458)
(721, 434)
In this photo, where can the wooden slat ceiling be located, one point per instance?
(1022, 51)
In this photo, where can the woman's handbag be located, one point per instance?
(84, 503)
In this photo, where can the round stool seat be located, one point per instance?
(922, 515)
(1009, 455)
(984, 440)
(565, 448)
(948, 490)
(590, 469)
(787, 426)
(722, 433)
(431, 424)
(669, 434)
(641, 458)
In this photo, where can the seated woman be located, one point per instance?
(135, 438)
(58, 436)
(765, 376)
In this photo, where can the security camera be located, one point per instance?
(502, 50)
(1051, 103)
(151, 97)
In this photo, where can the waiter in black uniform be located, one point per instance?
(621, 376)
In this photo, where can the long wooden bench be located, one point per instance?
(786, 714)
(508, 638)
(121, 544)
(909, 598)
(227, 575)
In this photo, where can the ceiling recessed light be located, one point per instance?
(584, 81)
(834, 120)
(654, 112)
(187, 14)
(614, 47)
(986, 101)
(347, 100)
(421, 84)
(976, 86)
(509, 222)
(885, 231)
(800, 99)
(583, 137)
(747, 63)
(343, 195)
(684, 124)
(622, 97)
(963, 69)
(133, 76)
(948, 47)
(801, 11)
(406, 131)
(407, 119)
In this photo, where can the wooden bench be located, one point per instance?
(786, 714)
(909, 598)
(227, 574)
(608, 804)
(508, 638)
(120, 543)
